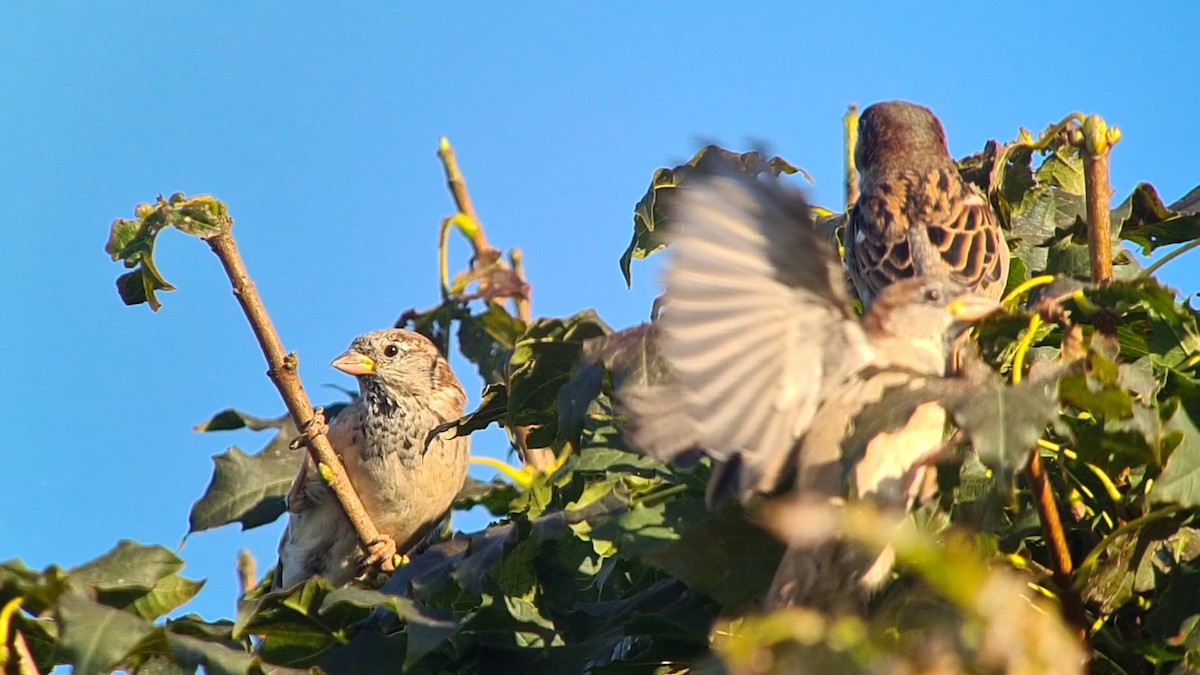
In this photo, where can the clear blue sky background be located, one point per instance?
(319, 126)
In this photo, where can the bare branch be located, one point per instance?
(247, 571)
(1098, 141)
(850, 139)
(490, 270)
(282, 369)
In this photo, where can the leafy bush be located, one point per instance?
(604, 561)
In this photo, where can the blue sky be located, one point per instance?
(319, 128)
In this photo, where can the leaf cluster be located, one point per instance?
(610, 562)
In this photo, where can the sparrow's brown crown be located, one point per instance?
(899, 135)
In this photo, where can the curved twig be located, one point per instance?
(282, 369)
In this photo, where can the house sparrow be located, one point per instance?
(915, 215)
(771, 366)
(406, 487)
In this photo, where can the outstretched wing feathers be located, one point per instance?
(754, 296)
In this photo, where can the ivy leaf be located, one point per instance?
(129, 566)
(725, 557)
(544, 359)
(1145, 221)
(651, 213)
(231, 419)
(246, 489)
(1005, 422)
(426, 630)
(1180, 479)
(493, 408)
(168, 593)
(95, 637)
(487, 340)
(250, 489)
(131, 242)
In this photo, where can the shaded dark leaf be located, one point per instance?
(544, 360)
(495, 496)
(724, 557)
(651, 213)
(1145, 221)
(487, 340)
(1180, 479)
(129, 566)
(1005, 422)
(230, 419)
(246, 489)
(426, 630)
(96, 637)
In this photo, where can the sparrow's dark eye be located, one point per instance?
(933, 295)
(390, 351)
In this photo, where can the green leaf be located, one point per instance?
(1144, 220)
(545, 359)
(1005, 422)
(426, 630)
(168, 593)
(214, 657)
(246, 489)
(230, 419)
(495, 496)
(129, 566)
(1179, 605)
(95, 637)
(131, 242)
(200, 216)
(121, 236)
(294, 631)
(487, 340)
(651, 213)
(1180, 479)
(726, 557)
(493, 407)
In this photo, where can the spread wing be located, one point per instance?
(757, 325)
(930, 224)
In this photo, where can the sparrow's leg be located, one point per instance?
(297, 496)
(381, 554)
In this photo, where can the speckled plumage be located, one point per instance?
(915, 215)
(405, 487)
(771, 367)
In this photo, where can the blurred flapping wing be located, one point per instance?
(757, 327)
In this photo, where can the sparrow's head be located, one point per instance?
(398, 364)
(927, 314)
(898, 135)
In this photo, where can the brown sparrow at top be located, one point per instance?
(407, 389)
(915, 215)
(771, 366)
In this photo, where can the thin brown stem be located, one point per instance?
(1097, 142)
(247, 571)
(282, 369)
(1095, 175)
(523, 302)
(1056, 540)
(850, 139)
(542, 459)
(484, 251)
(24, 662)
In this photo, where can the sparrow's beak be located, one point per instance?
(354, 363)
(971, 308)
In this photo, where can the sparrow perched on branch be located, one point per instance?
(915, 215)
(406, 480)
(771, 366)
